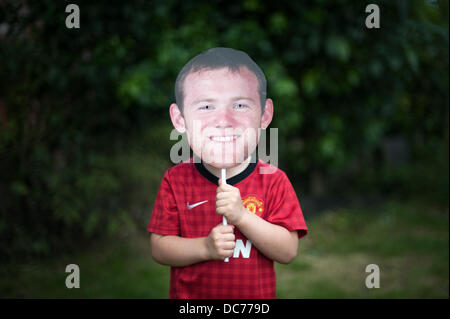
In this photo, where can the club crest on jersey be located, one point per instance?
(253, 205)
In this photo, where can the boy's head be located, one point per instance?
(217, 58)
(221, 103)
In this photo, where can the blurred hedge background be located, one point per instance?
(363, 114)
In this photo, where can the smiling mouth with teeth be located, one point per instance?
(224, 138)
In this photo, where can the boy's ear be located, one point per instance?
(267, 116)
(177, 118)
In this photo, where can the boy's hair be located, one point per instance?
(217, 58)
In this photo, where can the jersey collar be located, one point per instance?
(231, 181)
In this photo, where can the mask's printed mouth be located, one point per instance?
(224, 139)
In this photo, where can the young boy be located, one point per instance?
(220, 102)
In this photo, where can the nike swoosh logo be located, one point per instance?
(189, 207)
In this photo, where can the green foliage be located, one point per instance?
(83, 112)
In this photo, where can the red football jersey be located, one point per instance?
(185, 206)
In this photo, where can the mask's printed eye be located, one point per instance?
(205, 107)
(240, 106)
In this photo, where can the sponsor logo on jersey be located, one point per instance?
(189, 207)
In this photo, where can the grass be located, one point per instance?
(123, 269)
(407, 240)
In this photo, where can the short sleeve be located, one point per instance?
(164, 219)
(283, 206)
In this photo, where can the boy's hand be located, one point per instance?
(229, 203)
(220, 242)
